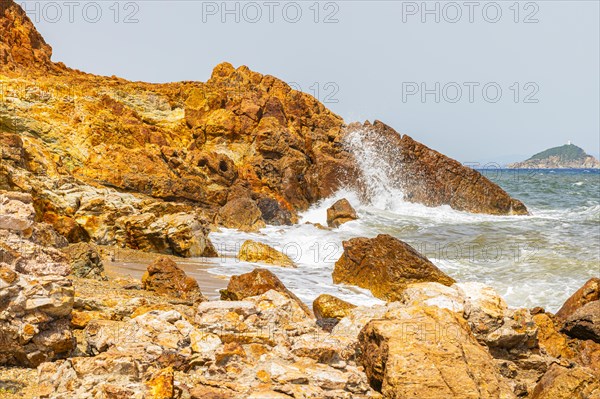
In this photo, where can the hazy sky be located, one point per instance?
(370, 60)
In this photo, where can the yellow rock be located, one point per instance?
(329, 307)
(252, 251)
(161, 385)
(81, 319)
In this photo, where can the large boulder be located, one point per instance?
(257, 282)
(589, 292)
(241, 213)
(427, 176)
(340, 212)
(164, 277)
(428, 352)
(584, 323)
(385, 265)
(567, 383)
(35, 318)
(252, 251)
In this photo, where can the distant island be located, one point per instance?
(567, 156)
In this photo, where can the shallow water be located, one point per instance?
(536, 260)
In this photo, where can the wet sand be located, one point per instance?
(123, 263)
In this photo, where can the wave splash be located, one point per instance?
(379, 184)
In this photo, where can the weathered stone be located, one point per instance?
(16, 212)
(329, 309)
(252, 251)
(161, 385)
(589, 292)
(164, 277)
(340, 212)
(584, 323)
(241, 213)
(428, 177)
(85, 261)
(563, 383)
(257, 282)
(434, 294)
(484, 308)
(177, 234)
(384, 265)
(273, 213)
(428, 352)
(35, 318)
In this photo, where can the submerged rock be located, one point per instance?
(384, 265)
(252, 251)
(164, 277)
(340, 212)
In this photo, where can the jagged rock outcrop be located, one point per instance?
(35, 318)
(589, 292)
(22, 48)
(427, 176)
(241, 137)
(384, 265)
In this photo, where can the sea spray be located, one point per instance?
(379, 183)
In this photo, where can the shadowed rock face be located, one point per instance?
(431, 178)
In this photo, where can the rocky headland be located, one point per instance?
(568, 156)
(91, 163)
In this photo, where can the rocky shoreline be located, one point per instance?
(90, 165)
(91, 336)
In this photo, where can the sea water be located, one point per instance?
(534, 260)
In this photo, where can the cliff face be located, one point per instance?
(22, 48)
(240, 138)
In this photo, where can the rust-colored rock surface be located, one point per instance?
(429, 177)
(564, 383)
(340, 212)
(163, 276)
(385, 265)
(257, 282)
(589, 292)
(428, 352)
(241, 150)
(22, 48)
(329, 307)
